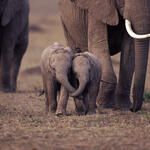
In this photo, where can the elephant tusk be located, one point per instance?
(132, 34)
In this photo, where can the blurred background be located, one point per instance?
(45, 28)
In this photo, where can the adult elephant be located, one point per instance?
(98, 25)
(13, 40)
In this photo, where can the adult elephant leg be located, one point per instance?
(141, 60)
(125, 74)
(18, 54)
(74, 21)
(98, 45)
(6, 63)
(70, 42)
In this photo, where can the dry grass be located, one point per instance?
(24, 125)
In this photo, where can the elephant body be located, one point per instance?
(56, 63)
(87, 73)
(14, 15)
(98, 26)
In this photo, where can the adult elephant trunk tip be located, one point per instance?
(132, 34)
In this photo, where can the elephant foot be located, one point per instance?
(52, 109)
(106, 101)
(80, 108)
(137, 105)
(5, 89)
(122, 102)
(91, 112)
(13, 88)
(106, 96)
(105, 104)
(60, 112)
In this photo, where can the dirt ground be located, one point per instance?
(24, 125)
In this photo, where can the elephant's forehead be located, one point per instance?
(60, 57)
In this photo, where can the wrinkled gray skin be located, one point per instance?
(56, 63)
(86, 75)
(13, 40)
(98, 25)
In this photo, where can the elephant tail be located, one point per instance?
(82, 84)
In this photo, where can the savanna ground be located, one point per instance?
(24, 125)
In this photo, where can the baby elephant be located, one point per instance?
(87, 73)
(56, 63)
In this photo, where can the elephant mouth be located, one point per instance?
(131, 32)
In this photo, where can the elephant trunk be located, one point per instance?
(141, 26)
(63, 79)
(83, 80)
(141, 60)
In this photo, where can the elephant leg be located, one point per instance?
(141, 60)
(51, 94)
(46, 97)
(44, 77)
(98, 45)
(0, 71)
(18, 54)
(70, 42)
(125, 74)
(92, 94)
(19, 51)
(80, 106)
(80, 44)
(5, 65)
(75, 25)
(62, 103)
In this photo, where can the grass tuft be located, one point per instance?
(147, 96)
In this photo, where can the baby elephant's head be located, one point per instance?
(61, 62)
(81, 69)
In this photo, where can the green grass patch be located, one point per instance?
(147, 96)
(147, 116)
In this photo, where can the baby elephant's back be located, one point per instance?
(97, 67)
(95, 60)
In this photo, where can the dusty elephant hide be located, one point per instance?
(56, 62)
(86, 76)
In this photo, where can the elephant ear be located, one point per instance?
(10, 10)
(103, 10)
